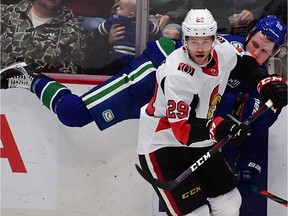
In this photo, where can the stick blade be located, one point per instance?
(167, 185)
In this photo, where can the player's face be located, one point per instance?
(260, 46)
(199, 48)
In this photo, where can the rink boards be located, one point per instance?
(48, 169)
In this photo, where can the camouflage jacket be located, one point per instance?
(56, 46)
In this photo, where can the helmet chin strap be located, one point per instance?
(276, 52)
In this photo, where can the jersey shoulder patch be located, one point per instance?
(238, 46)
(186, 68)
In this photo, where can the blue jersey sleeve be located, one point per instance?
(122, 96)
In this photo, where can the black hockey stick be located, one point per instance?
(170, 185)
(269, 195)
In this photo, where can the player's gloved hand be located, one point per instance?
(221, 127)
(18, 75)
(274, 88)
(247, 172)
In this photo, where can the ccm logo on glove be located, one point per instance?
(268, 80)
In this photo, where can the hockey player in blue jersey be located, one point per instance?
(122, 96)
(250, 159)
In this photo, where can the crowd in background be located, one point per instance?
(103, 40)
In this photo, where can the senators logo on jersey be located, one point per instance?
(186, 68)
(214, 101)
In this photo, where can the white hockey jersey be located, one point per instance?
(163, 122)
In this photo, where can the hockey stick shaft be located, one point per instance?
(170, 185)
(269, 195)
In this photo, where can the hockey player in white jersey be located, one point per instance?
(175, 125)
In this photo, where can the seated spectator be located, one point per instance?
(169, 11)
(123, 47)
(46, 36)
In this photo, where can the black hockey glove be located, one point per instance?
(247, 171)
(221, 127)
(274, 88)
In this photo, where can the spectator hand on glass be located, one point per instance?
(245, 17)
(163, 20)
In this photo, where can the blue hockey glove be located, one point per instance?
(247, 172)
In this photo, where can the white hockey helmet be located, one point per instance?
(199, 22)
